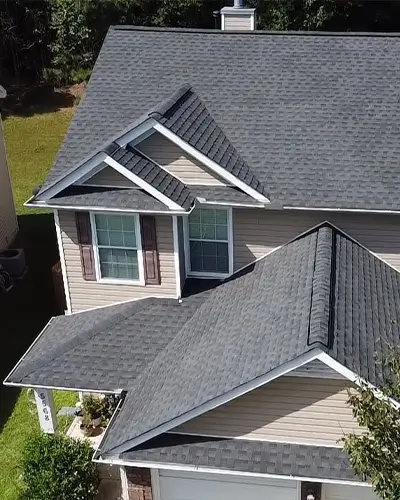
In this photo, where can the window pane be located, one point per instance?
(128, 224)
(120, 264)
(101, 221)
(221, 217)
(209, 264)
(102, 237)
(114, 222)
(221, 233)
(207, 216)
(194, 231)
(208, 232)
(129, 240)
(116, 239)
(222, 265)
(222, 250)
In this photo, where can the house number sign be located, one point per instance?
(45, 408)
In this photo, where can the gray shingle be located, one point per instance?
(133, 199)
(242, 455)
(315, 116)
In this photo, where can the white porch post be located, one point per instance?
(45, 408)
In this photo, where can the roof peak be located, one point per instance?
(365, 34)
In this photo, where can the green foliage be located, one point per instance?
(69, 47)
(92, 406)
(376, 453)
(56, 467)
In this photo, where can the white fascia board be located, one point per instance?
(356, 379)
(206, 470)
(62, 388)
(103, 209)
(343, 210)
(74, 176)
(138, 133)
(204, 201)
(220, 400)
(142, 184)
(212, 165)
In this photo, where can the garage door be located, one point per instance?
(176, 485)
(339, 492)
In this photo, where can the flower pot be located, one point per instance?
(96, 422)
(87, 431)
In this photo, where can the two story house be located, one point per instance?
(8, 218)
(227, 216)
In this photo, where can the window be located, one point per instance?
(118, 245)
(209, 241)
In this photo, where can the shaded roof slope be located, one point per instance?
(318, 291)
(315, 116)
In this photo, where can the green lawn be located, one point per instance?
(31, 143)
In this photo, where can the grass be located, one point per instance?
(31, 144)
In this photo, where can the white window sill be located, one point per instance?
(115, 281)
(208, 275)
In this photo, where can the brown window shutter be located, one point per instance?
(85, 245)
(150, 252)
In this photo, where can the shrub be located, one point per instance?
(92, 406)
(55, 467)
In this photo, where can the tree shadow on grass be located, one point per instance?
(26, 309)
(29, 101)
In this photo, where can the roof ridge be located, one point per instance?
(162, 108)
(210, 31)
(322, 292)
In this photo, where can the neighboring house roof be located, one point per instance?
(322, 290)
(241, 455)
(301, 109)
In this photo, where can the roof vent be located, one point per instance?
(238, 17)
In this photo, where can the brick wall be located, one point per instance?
(139, 483)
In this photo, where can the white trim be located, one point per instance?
(356, 379)
(255, 438)
(194, 468)
(103, 209)
(141, 183)
(196, 274)
(74, 176)
(116, 281)
(135, 133)
(218, 401)
(124, 483)
(222, 21)
(212, 165)
(60, 388)
(155, 484)
(204, 201)
(355, 210)
(62, 262)
(176, 256)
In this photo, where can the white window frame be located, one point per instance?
(118, 281)
(197, 274)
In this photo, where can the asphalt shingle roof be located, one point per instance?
(243, 455)
(85, 196)
(315, 116)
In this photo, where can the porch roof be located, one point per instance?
(241, 455)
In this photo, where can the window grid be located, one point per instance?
(218, 257)
(121, 261)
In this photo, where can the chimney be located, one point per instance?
(238, 17)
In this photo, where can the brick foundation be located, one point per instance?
(139, 483)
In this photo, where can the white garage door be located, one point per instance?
(176, 485)
(339, 492)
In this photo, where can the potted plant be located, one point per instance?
(92, 406)
(86, 425)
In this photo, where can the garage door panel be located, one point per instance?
(342, 492)
(197, 486)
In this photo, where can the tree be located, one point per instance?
(375, 455)
(55, 467)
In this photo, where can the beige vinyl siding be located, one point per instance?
(89, 294)
(238, 22)
(257, 231)
(8, 219)
(110, 177)
(177, 162)
(290, 409)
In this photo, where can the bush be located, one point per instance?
(55, 467)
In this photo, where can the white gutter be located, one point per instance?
(351, 210)
(58, 388)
